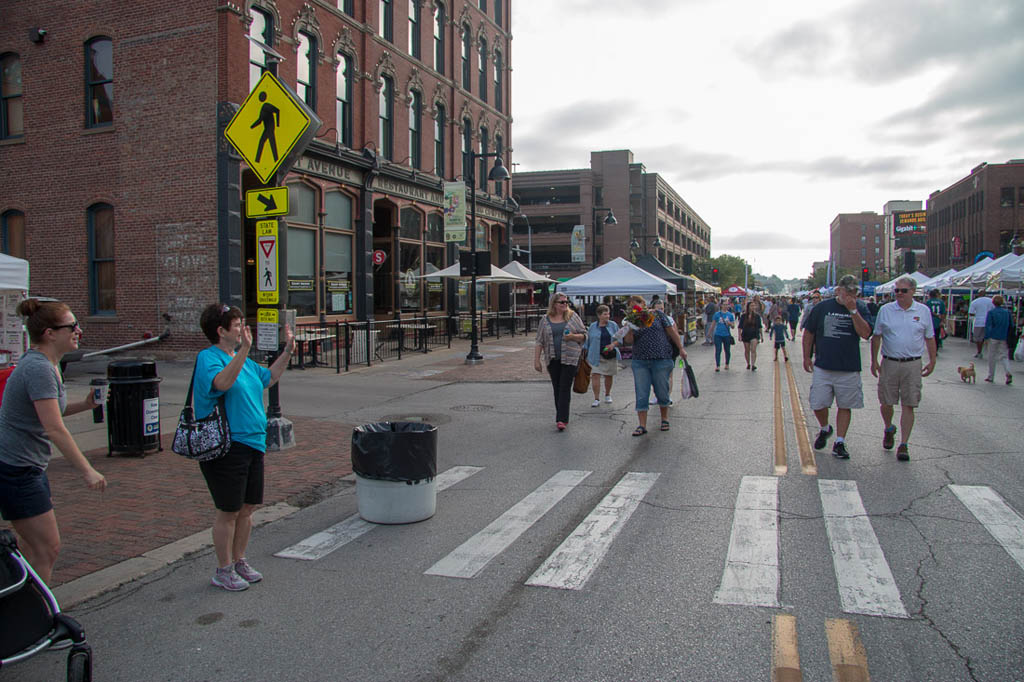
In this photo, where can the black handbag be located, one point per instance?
(202, 439)
(690, 379)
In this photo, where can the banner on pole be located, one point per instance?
(578, 249)
(455, 211)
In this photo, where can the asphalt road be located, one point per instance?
(648, 603)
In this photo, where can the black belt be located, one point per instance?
(901, 359)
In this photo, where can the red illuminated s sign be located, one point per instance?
(958, 248)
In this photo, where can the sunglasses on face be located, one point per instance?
(562, 301)
(73, 327)
(903, 290)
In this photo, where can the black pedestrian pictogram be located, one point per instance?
(270, 118)
(269, 277)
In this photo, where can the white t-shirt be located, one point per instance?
(979, 308)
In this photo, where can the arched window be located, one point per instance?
(439, 19)
(303, 202)
(261, 36)
(440, 125)
(498, 99)
(467, 145)
(415, 116)
(482, 68)
(386, 130)
(12, 121)
(102, 283)
(410, 255)
(99, 82)
(466, 49)
(344, 95)
(338, 289)
(305, 78)
(12, 233)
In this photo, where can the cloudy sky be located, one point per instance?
(770, 119)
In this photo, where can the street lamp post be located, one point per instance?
(529, 242)
(498, 173)
(608, 220)
(636, 245)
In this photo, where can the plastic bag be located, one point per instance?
(395, 451)
(1018, 352)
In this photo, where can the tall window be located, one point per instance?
(439, 20)
(303, 202)
(415, 111)
(467, 144)
(482, 68)
(483, 6)
(439, 127)
(387, 20)
(99, 82)
(347, 6)
(466, 48)
(344, 111)
(12, 233)
(482, 180)
(497, 81)
(385, 131)
(102, 300)
(497, 12)
(338, 289)
(260, 34)
(305, 77)
(414, 28)
(12, 122)
(499, 149)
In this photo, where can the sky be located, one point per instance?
(770, 119)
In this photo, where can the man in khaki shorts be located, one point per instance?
(903, 331)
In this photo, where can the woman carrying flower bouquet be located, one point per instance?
(601, 354)
(560, 338)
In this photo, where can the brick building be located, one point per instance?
(857, 240)
(650, 216)
(978, 215)
(125, 198)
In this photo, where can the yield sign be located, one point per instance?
(266, 265)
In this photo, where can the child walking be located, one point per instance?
(780, 332)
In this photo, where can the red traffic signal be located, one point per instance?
(714, 275)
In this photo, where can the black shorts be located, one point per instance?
(24, 492)
(235, 478)
(780, 344)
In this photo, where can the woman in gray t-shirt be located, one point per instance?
(31, 417)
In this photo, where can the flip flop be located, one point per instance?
(664, 425)
(639, 431)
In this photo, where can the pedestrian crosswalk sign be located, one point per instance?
(271, 126)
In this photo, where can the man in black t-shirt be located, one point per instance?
(833, 330)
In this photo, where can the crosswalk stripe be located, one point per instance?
(751, 575)
(999, 519)
(866, 584)
(571, 565)
(469, 558)
(321, 544)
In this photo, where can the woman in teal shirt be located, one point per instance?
(236, 479)
(723, 322)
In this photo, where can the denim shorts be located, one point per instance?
(24, 492)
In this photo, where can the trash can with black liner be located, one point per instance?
(395, 464)
(133, 408)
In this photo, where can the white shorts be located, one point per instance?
(843, 387)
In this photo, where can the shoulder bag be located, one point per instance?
(202, 439)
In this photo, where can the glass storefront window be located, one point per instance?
(301, 270)
(302, 202)
(339, 210)
(338, 269)
(411, 224)
(435, 228)
(408, 276)
(481, 236)
(435, 286)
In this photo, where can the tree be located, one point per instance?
(730, 270)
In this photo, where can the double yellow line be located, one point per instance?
(807, 463)
(845, 650)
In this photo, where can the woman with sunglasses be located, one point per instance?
(31, 418)
(236, 479)
(560, 339)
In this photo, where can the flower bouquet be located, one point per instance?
(638, 317)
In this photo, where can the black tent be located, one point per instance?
(658, 269)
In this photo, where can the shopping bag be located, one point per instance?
(1018, 352)
(689, 382)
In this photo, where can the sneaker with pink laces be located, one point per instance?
(248, 573)
(229, 580)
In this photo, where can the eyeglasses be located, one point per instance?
(562, 301)
(903, 290)
(75, 327)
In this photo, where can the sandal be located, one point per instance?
(640, 431)
(664, 425)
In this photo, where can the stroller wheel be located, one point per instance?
(80, 665)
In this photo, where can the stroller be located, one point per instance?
(31, 622)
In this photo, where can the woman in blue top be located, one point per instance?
(722, 323)
(236, 479)
(599, 345)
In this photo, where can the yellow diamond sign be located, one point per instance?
(272, 125)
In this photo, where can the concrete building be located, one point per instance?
(651, 217)
(124, 196)
(856, 240)
(894, 257)
(978, 215)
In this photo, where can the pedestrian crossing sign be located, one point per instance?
(272, 126)
(267, 264)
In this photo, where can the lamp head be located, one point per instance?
(610, 218)
(498, 172)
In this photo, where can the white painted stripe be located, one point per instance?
(751, 575)
(866, 584)
(571, 565)
(467, 560)
(999, 519)
(321, 544)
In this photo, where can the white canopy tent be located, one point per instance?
(947, 282)
(936, 281)
(519, 270)
(618, 277)
(497, 276)
(979, 277)
(13, 273)
(887, 288)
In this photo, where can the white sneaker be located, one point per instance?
(596, 403)
(608, 399)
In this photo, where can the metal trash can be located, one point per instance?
(133, 408)
(395, 464)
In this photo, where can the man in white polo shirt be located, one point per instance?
(903, 331)
(978, 312)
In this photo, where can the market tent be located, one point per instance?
(735, 290)
(887, 288)
(616, 278)
(521, 271)
(936, 281)
(654, 266)
(703, 287)
(497, 275)
(980, 278)
(1006, 278)
(13, 273)
(947, 282)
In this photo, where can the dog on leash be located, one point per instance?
(966, 373)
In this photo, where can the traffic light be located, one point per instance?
(714, 275)
(864, 274)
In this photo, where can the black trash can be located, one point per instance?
(133, 408)
(395, 464)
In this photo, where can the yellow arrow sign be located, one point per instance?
(266, 202)
(266, 128)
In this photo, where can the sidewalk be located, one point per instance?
(157, 509)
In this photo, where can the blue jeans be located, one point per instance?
(647, 373)
(721, 341)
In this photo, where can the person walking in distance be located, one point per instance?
(979, 312)
(833, 330)
(722, 323)
(903, 331)
(750, 333)
(997, 328)
(601, 354)
(709, 316)
(794, 316)
(560, 339)
(780, 334)
(938, 310)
